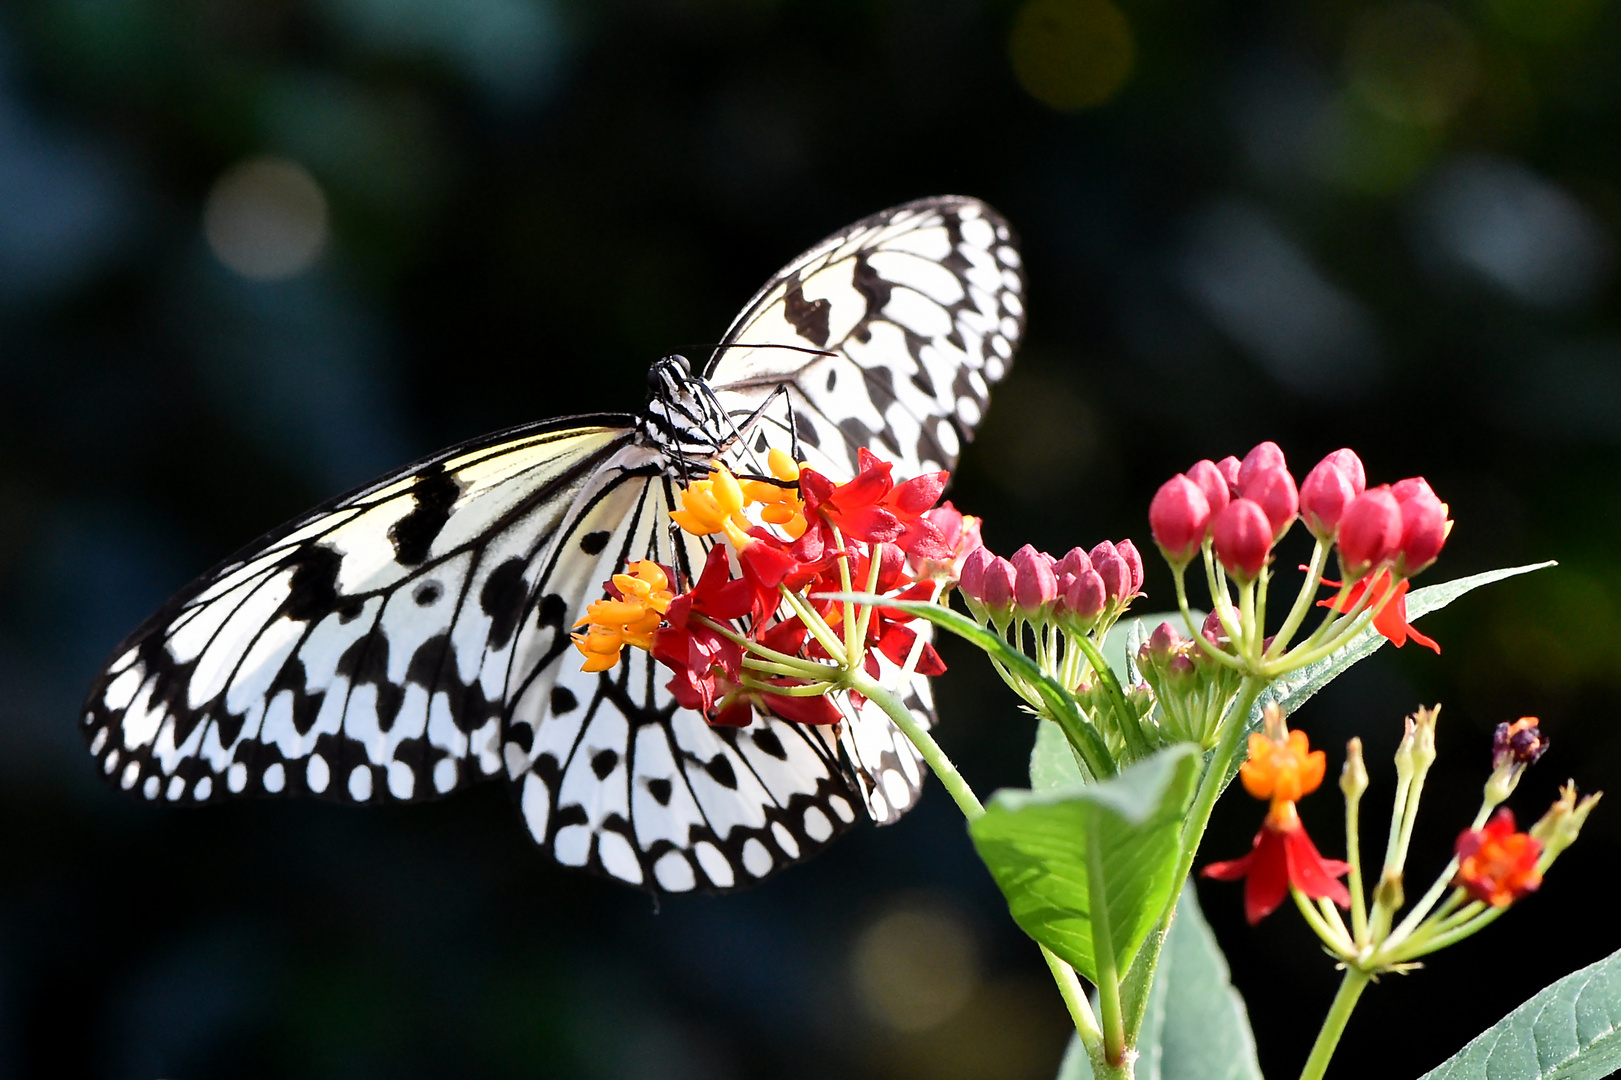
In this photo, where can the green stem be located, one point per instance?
(1353, 855)
(1196, 633)
(1126, 720)
(1303, 599)
(1328, 1038)
(950, 778)
(1074, 995)
(1215, 775)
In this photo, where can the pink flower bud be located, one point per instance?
(971, 580)
(1116, 575)
(1212, 629)
(1178, 517)
(1134, 562)
(1266, 455)
(1370, 531)
(1074, 562)
(1346, 461)
(1413, 485)
(1035, 585)
(1242, 534)
(1423, 529)
(1212, 483)
(1229, 468)
(998, 589)
(1164, 640)
(1273, 490)
(1086, 596)
(1324, 496)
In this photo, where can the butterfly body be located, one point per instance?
(411, 637)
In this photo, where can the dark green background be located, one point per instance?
(1291, 222)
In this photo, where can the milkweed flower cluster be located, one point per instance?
(756, 631)
(1494, 864)
(1234, 512)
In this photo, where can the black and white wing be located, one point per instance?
(923, 307)
(360, 652)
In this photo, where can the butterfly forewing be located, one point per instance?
(922, 307)
(359, 652)
(413, 636)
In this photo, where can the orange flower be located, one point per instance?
(1497, 864)
(1392, 618)
(1283, 768)
(637, 602)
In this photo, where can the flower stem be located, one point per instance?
(1215, 775)
(1074, 995)
(1303, 599)
(936, 758)
(1328, 1038)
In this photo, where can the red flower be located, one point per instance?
(872, 507)
(1496, 864)
(1282, 856)
(1392, 618)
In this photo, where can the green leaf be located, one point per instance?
(1569, 1031)
(1081, 854)
(1196, 1027)
(1293, 690)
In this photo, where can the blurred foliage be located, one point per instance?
(1391, 226)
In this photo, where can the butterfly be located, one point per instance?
(411, 637)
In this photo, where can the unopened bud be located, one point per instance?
(1346, 461)
(997, 591)
(1354, 775)
(1370, 532)
(1324, 495)
(1265, 455)
(1178, 517)
(971, 580)
(1113, 570)
(1035, 585)
(1164, 640)
(1085, 597)
(1212, 483)
(1229, 468)
(1423, 527)
(1242, 535)
(1134, 563)
(1074, 561)
(1214, 632)
(1273, 490)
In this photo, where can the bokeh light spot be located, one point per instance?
(914, 967)
(1071, 54)
(1412, 63)
(266, 219)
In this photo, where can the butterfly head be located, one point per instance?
(682, 416)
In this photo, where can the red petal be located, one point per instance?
(1312, 874)
(918, 494)
(1268, 880)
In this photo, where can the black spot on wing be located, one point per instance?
(767, 741)
(365, 662)
(563, 701)
(721, 769)
(428, 661)
(806, 430)
(314, 588)
(660, 789)
(413, 534)
(874, 289)
(603, 763)
(501, 599)
(427, 593)
(592, 543)
(807, 317)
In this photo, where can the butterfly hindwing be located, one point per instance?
(358, 653)
(612, 775)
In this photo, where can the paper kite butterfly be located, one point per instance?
(412, 637)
